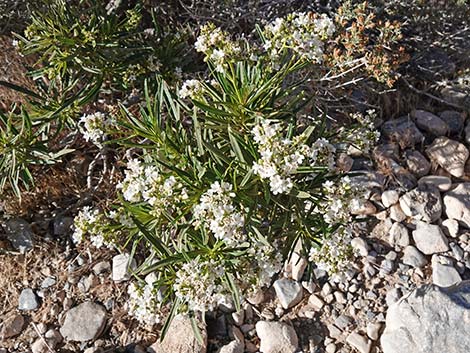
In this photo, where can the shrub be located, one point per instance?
(229, 173)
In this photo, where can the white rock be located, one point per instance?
(298, 265)
(122, 267)
(289, 292)
(396, 213)
(430, 239)
(360, 245)
(362, 344)
(457, 204)
(444, 275)
(233, 347)
(390, 197)
(451, 227)
(449, 154)
(276, 337)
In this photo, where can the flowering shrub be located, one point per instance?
(229, 172)
(226, 172)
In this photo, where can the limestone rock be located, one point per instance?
(28, 300)
(449, 154)
(430, 238)
(276, 337)
(423, 203)
(457, 204)
(445, 275)
(429, 320)
(122, 267)
(180, 338)
(84, 322)
(289, 292)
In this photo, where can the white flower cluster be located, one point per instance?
(366, 135)
(93, 128)
(89, 221)
(281, 157)
(302, 33)
(216, 45)
(145, 183)
(341, 198)
(216, 210)
(335, 252)
(199, 284)
(145, 302)
(191, 89)
(261, 264)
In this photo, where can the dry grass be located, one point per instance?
(13, 68)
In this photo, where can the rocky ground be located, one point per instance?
(406, 291)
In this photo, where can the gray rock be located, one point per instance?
(449, 154)
(430, 238)
(429, 122)
(457, 204)
(180, 338)
(444, 275)
(12, 326)
(413, 257)
(20, 234)
(399, 235)
(48, 282)
(429, 320)
(417, 163)
(84, 322)
(441, 182)
(454, 120)
(343, 321)
(101, 267)
(276, 337)
(361, 343)
(289, 292)
(122, 267)
(467, 133)
(28, 300)
(63, 226)
(390, 197)
(423, 203)
(402, 131)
